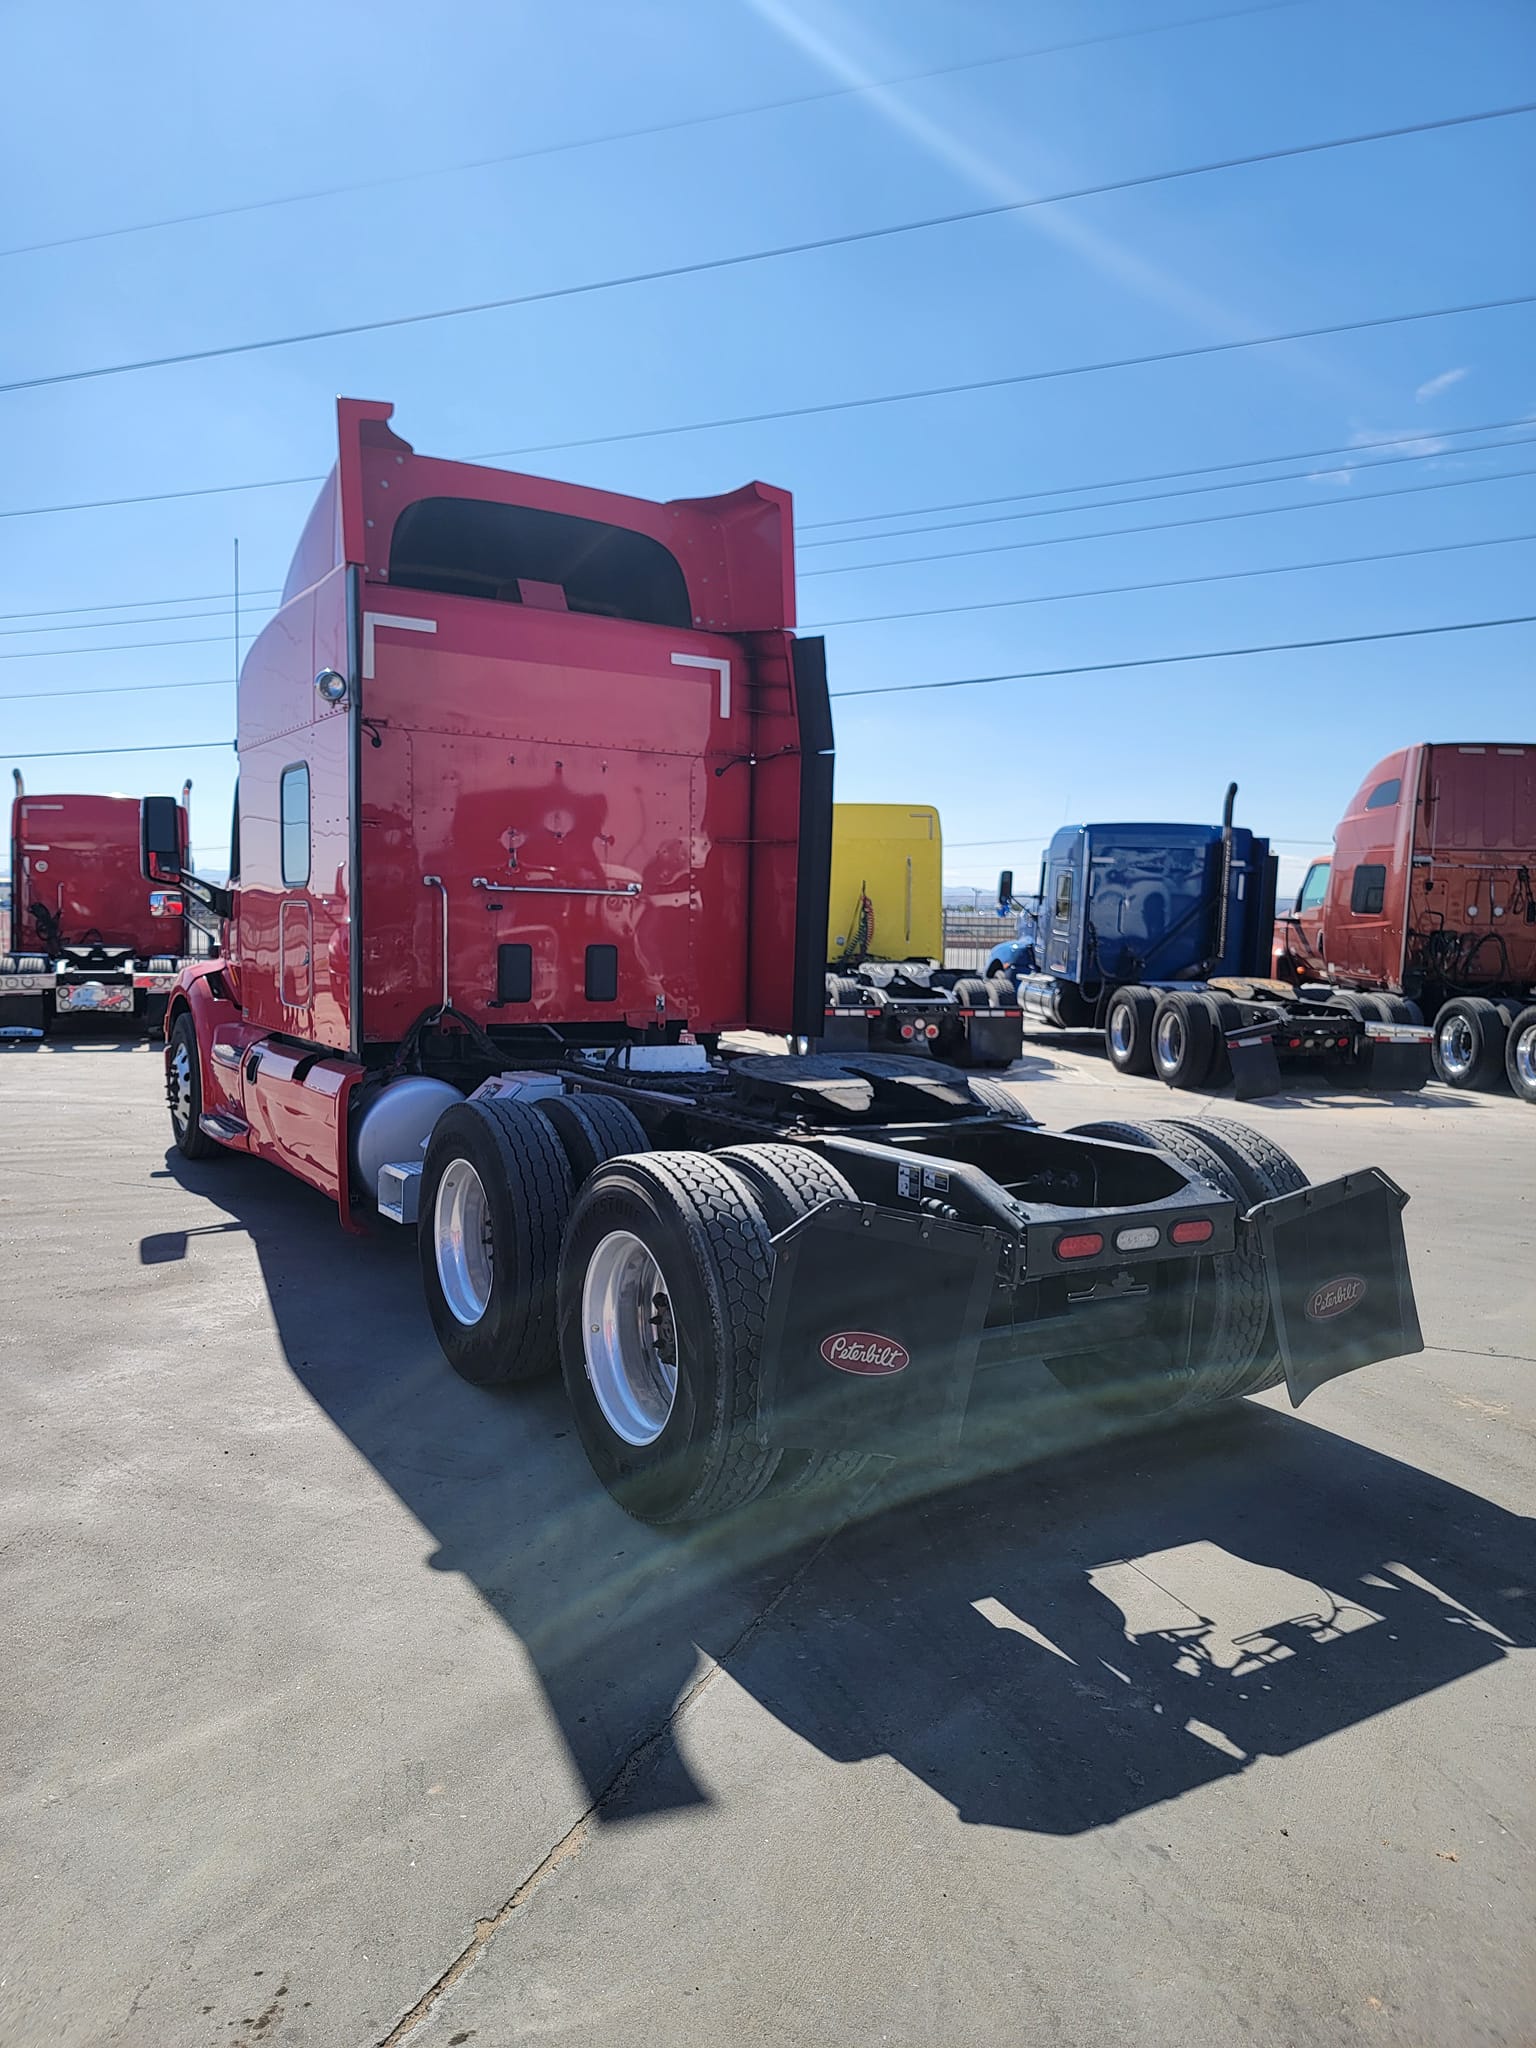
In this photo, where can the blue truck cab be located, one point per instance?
(1158, 905)
(1161, 936)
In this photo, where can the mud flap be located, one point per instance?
(1338, 1278)
(874, 1319)
(995, 1037)
(845, 1031)
(1255, 1070)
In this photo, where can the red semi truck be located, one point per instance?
(1427, 908)
(87, 935)
(535, 803)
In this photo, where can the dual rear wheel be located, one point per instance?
(551, 1237)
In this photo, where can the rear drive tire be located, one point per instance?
(663, 1292)
(1183, 1039)
(1231, 1348)
(1128, 1030)
(1520, 1055)
(997, 1100)
(1263, 1171)
(184, 1092)
(790, 1181)
(592, 1128)
(1469, 1043)
(495, 1196)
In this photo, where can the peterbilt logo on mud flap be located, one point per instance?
(864, 1351)
(1335, 1298)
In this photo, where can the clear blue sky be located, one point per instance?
(118, 116)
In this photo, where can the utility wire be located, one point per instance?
(88, 753)
(1062, 540)
(1171, 582)
(707, 265)
(113, 690)
(1172, 355)
(117, 625)
(126, 603)
(1157, 476)
(118, 647)
(1241, 483)
(1098, 668)
(795, 412)
(615, 135)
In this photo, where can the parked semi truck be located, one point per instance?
(886, 983)
(535, 802)
(1429, 902)
(1160, 936)
(87, 935)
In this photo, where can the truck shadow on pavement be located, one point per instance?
(1047, 1645)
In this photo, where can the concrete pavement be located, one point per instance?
(344, 1708)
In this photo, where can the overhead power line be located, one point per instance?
(1098, 668)
(122, 625)
(118, 647)
(1171, 355)
(39, 696)
(743, 258)
(1160, 476)
(1241, 483)
(617, 135)
(1064, 540)
(997, 604)
(127, 604)
(795, 412)
(87, 753)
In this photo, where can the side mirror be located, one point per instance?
(159, 839)
(1004, 891)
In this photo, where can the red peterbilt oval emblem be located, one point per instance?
(1335, 1298)
(865, 1351)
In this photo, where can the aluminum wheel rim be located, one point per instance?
(1456, 1047)
(180, 1088)
(1525, 1056)
(1121, 1035)
(629, 1338)
(461, 1232)
(1169, 1033)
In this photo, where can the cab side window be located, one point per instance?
(1063, 905)
(294, 812)
(1368, 890)
(1385, 794)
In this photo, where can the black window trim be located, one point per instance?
(1368, 889)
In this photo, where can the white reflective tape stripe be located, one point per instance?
(372, 620)
(721, 668)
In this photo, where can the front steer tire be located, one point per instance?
(709, 1240)
(495, 1196)
(184, 1092)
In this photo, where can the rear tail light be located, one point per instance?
(1343, 1041)
(906, 1030)
(1294, 1043)
(1084, 1244)
(1196, 1231)
(930, 1030)
(1141, 1239)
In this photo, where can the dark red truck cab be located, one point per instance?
(88, 933)
(1430, 898)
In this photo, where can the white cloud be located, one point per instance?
(1438, 384)
(1398, 442)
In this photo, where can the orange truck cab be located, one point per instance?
(1427, 904)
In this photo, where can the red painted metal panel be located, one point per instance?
(78, 858)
